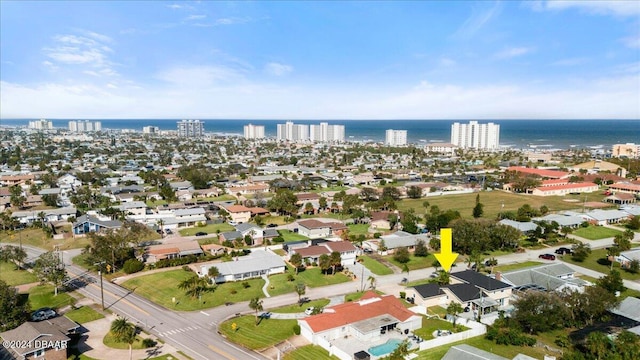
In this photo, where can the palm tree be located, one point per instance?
(335, 260)
(301, 289)
(372, 282)
(161, 225)
(256, 305)
(296, 261)
(194, 286)
(454, 309)
(213, 273)
(324, 262)
(124, 331)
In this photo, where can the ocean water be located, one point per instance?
(520, 134)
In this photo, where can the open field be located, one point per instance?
(596, 232)
(375, 266)
(210, 229)
(311, 276)
(13, 276)
(162, 287)
(516, 266)
(415, 262)
(36, 237)
(493, 201)
(43, 296)
(359, 229)
(267, 333)
(83, 315)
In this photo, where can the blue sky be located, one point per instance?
(320, 60)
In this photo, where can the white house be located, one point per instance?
(256, 264)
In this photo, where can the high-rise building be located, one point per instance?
(326, 133)
(628, 150)
(84, 126)
(253, 131)
(476, 136)
(293, 132)
(41, 124)
(150, 130)
(395, 137)
(191, 128)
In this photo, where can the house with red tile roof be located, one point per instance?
(544, 173)
(564, 189)
(239, 213)
(368, 319)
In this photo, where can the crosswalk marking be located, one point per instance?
(177, 331)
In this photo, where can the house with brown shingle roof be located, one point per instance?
(48, 339)
(312, 253)
(313, 228)
(171, 250)
(368, 319)
(239, 213)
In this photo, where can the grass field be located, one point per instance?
(358, 229)
(83, 315)
(431, 325)
(289, 235)
(42, 296)
(415, 262)
(493, 201)
(162, 287)
(211, 229)
(298, 308)
(267, 333)
(312, 277)
(309, 352)
(375, 266)
(13, 276)
(111, 342)
(597, 261)
(511, 267)
(596, 232)
(36, 237)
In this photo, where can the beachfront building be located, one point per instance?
(150, 130)
(84, 126)
(475, 135)
(191, 128)
(629, 150)
(41, 124)
(326, 133)
(395, 137)
(292, 132)
(253, 131)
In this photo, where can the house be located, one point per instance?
(33, 200)
(368, 319)
(564, 189)
(621, 198)
(398, 239)
(628, 308)
(313, 228)
(632, 210)
(189, 217)
(543, 173)
(494, 293)
(256, 233)
(239, 213)
(68, 181)
(604, 217)
(215, 249)
(380, 220)
(428, 295)
(138, 208)
(258, 211)
(549, 277)
(11, 180)
(626, 257)
(230, 236)
(311, 252)
(181, 185)
(567, 219)
(171, 249)
(258, 263)
(88, 223)
(468, 352)
(248, 189)
(522, 226)
(48, 339)
(626, 187)
(59, 214)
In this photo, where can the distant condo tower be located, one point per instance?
(395, 137)
(41, 124)
(476, 136)
(191, 128)
(84, 126)
(150, 130)
(253, 131)
(317, 133)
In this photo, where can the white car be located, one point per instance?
(309, 310)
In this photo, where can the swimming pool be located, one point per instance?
(386, 348)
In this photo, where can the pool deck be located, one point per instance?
(352, 345)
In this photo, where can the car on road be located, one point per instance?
(303, 300)
(201, 233)
(272, 225)
(309, 310)
(265, 315)
(547, 256)
(367, 251)
(168, 232)
(563, 250)
(43, 314)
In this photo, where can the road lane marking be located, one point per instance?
(204, 313)
(225, 354)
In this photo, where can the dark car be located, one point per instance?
(547, 256)
(272, 225)
(563, 250)
(201, 233)
(265, 315)
(303, 300)
(43, 314)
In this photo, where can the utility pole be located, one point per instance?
(101, 288)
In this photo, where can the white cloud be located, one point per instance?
(477, 21)
(196, 17)
(277, 69)
(632, 41)
(513, 52)
(570, 61)
(232, 21)
(199, 77)
(89, 52)
(608, 7)
(446, 62)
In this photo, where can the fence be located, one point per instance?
(476, 329)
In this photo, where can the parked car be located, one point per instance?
(168, 231)
(547, 256)
(201, 233)
(303, 300)
(265, 315)
(563, 250)
(272, 225)
(309, 310)
(43, 314)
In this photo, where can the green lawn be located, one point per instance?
(494, 200)
(162, 287)
(375, 266)
(596, 232)
(431, 325)
(516, 266)
(289, 235)
(42, 296)
(211, 229)
(83, 315)
(267, 333)
(111, 342)
(309, 352)
(358, 229)
(437, 310)
(298, 308)
(357, 295)
(415, 262)
(225, 197)
(312, 277)
(36, 237)
(13, 276)
(597, 261)
(508, 351)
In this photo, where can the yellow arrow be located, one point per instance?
(446, 257)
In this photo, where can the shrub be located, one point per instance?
(290, 277)
(233, 291)
(377, 235)
(403, 294)
(132, 266)
(296, 329)
(634, 266)
(148, 343)
(186, 268)
(246, 285)
(278, 239)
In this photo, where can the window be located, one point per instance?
(39, 353)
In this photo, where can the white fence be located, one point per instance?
(475, 329)
(333, 350)
(453, 192)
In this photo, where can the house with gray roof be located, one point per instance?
(626, 257)
(523, 227)
(468, 352)
(633, 210)
(230, 236)
(403, 239)
(48, 339)
(546, 277)
(88, 223)
(59, 214)
(628, 308)
(258, 263)
(566, 219)
(604, 217)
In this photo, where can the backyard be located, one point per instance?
(593, 232)
(429, 326)
(289, 235)
(311, 277)
(309, 352)
(43, 295)
(267, 333)
(516, 266)
(415, 262)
